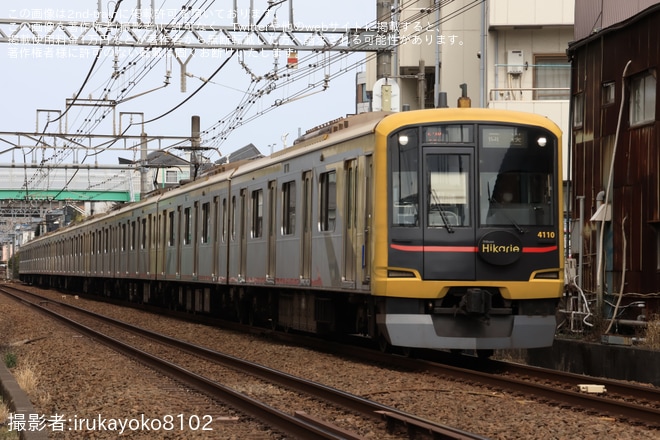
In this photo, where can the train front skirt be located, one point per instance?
(451, 332)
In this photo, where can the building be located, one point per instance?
(616, 150)
(511, 54)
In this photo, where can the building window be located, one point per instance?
(289, 208)
(328, 200)
(171, 176)
(552, 77)
(642, 99)
(257, 213)
(608, 94)
(578, 110)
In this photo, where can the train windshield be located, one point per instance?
(434, 169)
(516, 176)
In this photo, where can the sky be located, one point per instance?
(38, 79)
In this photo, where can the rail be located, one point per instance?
(292, 424)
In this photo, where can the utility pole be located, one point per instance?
(145, 185)
(195, 144)
(421, 84)
(384, 57)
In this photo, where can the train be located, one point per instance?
(434, 229)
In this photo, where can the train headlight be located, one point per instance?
(542, 141)
(403, 139)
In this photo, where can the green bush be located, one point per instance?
(10, 359)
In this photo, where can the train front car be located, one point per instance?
(468, 229)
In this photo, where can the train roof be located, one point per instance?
(400, 119)
(339, 130)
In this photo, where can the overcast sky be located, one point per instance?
(39, 78)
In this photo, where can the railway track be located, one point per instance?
(636, 403)
(298, 424)
(620, 400)
(623, 400)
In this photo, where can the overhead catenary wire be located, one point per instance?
(189, 6)
(280, 79)
(225, 126)
(41, 171)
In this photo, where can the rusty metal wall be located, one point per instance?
(635, 195)
(594, 15)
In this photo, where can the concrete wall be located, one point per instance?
(610, 361)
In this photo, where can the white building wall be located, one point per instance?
(531, 12)
(551, 41)
(535, 27)
(461, 62)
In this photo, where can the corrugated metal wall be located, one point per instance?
(635, 196)
(593, 15)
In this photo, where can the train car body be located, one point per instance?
(433, 229)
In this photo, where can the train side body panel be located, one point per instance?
(387, 225)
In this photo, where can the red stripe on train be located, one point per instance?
(526, 250)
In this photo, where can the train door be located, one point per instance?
(272, 230)
(448, 223)
(368, 205)
(242, 270)
(306, 241)
(350, 215)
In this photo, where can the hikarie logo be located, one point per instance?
(500, 248)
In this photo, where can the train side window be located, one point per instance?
(187, 219)
(133, 235)
(123, 237)
(153, 229)
(224, 220)
(206, 217)
(170, 228)
(328, 201)
(143, 241)
(233, 223)
(289, 208)
(257, 213)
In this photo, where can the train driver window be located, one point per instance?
(404, 152)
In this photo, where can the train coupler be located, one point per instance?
(476, 302)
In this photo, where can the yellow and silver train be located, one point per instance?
(437, 228)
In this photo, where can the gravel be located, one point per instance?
(79, 378)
